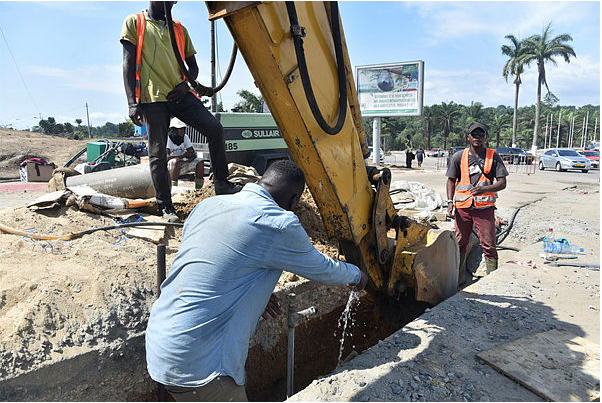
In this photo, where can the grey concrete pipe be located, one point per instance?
(133, 182)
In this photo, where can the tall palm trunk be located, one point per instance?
(537, 108)
(517, 83)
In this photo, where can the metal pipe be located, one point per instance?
(293, 318)
(161, 272)
(161, 391)
(290, 356)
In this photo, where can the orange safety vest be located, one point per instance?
(463, 198)
(140, 28)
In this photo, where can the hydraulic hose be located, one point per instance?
(298, 32)
(75, 235)
(201, 89)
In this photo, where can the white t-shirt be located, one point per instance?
(181, 149)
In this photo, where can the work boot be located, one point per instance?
(490, 265)
(169, 213)
(462, 269)
(224, 187)
(174, 183)
(198, 183)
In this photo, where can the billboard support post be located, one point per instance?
(376, 140)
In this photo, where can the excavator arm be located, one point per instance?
(298, 57)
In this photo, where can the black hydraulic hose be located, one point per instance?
(195, 84)
(76, 156)
(504, 234)
(298, 32)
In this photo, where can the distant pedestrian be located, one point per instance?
(472, 191)
(409, 156)
(419, 156)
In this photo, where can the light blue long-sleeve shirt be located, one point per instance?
(232, 253)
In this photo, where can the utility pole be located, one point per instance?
(595, 129)
(214, 96)
(376, 140)
(545, 139)
(88, 117)
(558, 134)
(551, 130)
(582, 133)
(572, 135)
(586, 124)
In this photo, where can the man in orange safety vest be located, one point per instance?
(471, 192)
(157, 91)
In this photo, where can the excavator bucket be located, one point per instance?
(436, 267)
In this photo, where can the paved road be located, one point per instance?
(522, 187)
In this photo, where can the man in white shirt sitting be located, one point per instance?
(181, 157)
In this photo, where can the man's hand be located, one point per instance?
(178, 93)
(450, 210)
(273, 308)
(362, 284)
(478, 190)
(135, 113)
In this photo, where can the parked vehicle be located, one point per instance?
(452, 151)
(382, 155)
(594, 145)
(515, 155)
(562, 159)
(435, 152)
(592, 156)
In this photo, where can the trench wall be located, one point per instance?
(119, 373)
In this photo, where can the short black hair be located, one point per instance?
(285, 170)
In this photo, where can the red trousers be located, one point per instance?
(484, 223)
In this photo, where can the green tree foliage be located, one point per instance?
(541, 49)
(250, 103)
(514, 67)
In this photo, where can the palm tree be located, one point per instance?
(447, 113)
(542, 48)
(474, 112)
(428, 117)
(250, 102)
(500, 122)
(515, 68)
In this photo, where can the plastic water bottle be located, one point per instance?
(549, 237)
(559, 247)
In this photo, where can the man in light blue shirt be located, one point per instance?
(233, 250)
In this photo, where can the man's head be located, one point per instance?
(176, 126)
(477, 133)
(157, 8)
(285, 181)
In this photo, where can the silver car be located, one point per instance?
(562, 159)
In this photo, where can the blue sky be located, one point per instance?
(56, 56)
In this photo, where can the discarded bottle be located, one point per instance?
(559, 247)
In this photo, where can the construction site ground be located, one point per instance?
(63, 298)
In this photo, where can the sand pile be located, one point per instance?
(61, 298)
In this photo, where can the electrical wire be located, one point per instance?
(19, 71)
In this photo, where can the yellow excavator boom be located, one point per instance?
(288, 48)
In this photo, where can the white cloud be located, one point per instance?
(447, 21)
(98, 78)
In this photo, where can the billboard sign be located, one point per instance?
(394, 89)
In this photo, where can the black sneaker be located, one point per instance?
(169, 213)
(223, 187)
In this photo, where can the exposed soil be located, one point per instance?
(59, 297)
(16, 146)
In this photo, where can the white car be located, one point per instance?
(562, 159)
(371, 157)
